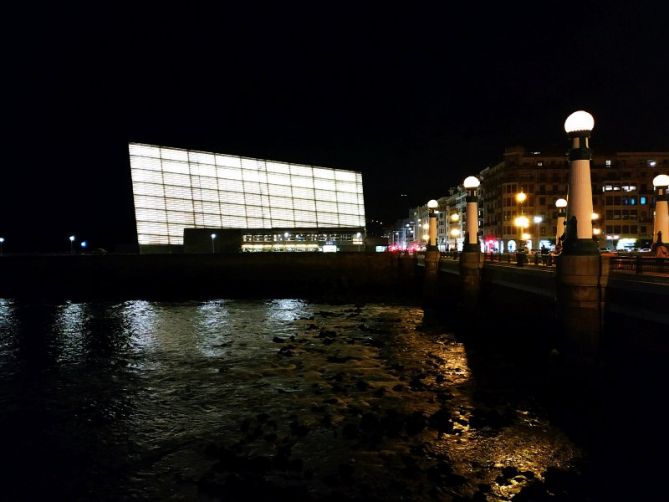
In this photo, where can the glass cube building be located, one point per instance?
(175, 189)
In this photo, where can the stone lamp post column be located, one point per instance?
(661, 221)
(561, 205)
(470, 258)
(582, 274)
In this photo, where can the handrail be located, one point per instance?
(639, 264)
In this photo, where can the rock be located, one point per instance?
(415, 423)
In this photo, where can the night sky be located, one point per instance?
(413, 97)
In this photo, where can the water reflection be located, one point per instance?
(130, 394)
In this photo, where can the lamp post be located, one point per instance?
(471, 183)
(661, 221)
(213, 240)
(578, 237)
(2, 241)
(470, 258)
(520, 198)
(72, 238)
(537, 220)
(454, 229)
(561, 205)
(432, 206)
(522, 222)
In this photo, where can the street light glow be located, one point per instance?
(471, 182)
(521, 197)
(579, 121)
(661, 180)
(560, 203)
(521, 221)
(537, 219)
(432, 204)
(72, 237)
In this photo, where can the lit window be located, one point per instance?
(608, 163)
(643, 200)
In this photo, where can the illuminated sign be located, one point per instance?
(175, 189)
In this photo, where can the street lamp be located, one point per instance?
(432, 206)
(578, 237)
(471, 183)
(537, 220)
(2, 241)
(72, 238)
(522, 222)
(213, 239)
(561, 205)
(520, 198)
(455, 231)
(661, 222)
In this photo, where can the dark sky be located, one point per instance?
(414, 97)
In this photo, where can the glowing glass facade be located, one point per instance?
(175, 189)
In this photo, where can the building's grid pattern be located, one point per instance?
(175, 189)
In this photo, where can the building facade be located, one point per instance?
(623, 198)
(177, 189)
(623, 201)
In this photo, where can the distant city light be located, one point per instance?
(83, 244)
(72, 237)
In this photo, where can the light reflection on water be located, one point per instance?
(135, 391)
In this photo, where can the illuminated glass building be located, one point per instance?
(208, 202)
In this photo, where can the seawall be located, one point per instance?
(204, 275)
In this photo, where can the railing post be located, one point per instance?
(638, 264)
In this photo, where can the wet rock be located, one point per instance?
(277, 339)
(346, 471)
(416, 382)
(508, 473)
(361, 385)
(369, 423)
(399, 387)
(328, 341)
(441, 421)
(559, 481)
(392, 423)
(327, 333)
(350, 431)
(415, 423)
(298, 429)
(339, 359)
(493, 418)
(380, 392)
(287, 351)
(535, 492)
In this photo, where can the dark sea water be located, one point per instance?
(294, 400)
